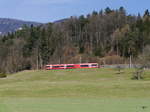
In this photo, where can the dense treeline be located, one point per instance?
(77, 39)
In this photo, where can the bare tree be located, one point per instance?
(144, 60)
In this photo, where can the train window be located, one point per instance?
(70, 66)
(94, 65)
(84, 65)
(56, 66)
(61, 66)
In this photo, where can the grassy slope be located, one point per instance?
(81, 90)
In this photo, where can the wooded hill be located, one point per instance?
(77, 39)
(11, 25)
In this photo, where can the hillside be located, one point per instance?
(105, 37)
(11, 25)
(91, 90)
(74, 83)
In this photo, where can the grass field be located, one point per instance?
(78, 90)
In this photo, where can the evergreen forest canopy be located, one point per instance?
(77, 39)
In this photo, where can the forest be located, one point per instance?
(106, 37)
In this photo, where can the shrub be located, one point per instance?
(3, 75)
(138, 74)
(112, 60)
(119, 69)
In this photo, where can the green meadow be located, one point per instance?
(77, 90)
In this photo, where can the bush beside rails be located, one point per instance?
(3, 75)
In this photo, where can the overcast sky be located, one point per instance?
(52, 10)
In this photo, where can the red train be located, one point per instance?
(71, 66)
